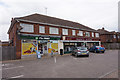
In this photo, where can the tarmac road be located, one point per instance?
(95, 66)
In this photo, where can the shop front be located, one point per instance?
(31, 44)
(70, 42)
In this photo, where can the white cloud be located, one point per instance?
(93, 13)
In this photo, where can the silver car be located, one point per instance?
(80, 51)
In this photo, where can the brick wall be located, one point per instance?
(17, 42)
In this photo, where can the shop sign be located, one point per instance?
(82, 39)
(39, 37)
(43, 38)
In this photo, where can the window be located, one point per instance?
(27, 27)
(53, 30)
(73, 32)
(87, 34)
(65, 31)
(41, 29)
(80, 33)
(118, 36)
(97, 34)
(92, 34)
(114, 36)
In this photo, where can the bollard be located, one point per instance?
(38, 55)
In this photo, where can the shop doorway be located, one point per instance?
(42, 46)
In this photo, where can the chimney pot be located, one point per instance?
(12, 19)
(103, 28)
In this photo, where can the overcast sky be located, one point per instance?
(93, 13)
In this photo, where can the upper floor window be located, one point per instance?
(73, 32)
(80, 33)
(118, 36)
(92, 34)
(27, 27)
(53, 30)
(97, 34)
(65, 31)
(41, 29)
(87, 34)
(114, 36)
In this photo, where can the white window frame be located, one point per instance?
(118, 36)
(114, 36)
(80, 33)
(87, 34)
(96, 34)
(92, 34)
(65, 31)
(41, 29)
(27, 27)
(73, 32)
(53, 30)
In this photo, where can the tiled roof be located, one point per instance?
(53, 20)
(103, 31)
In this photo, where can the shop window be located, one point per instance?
(65, 31)
(87, 34)
(73, 32)
(72, 43)
(80, 33)
(27, 27)
(66, 44)
(41, 29)
(97, 34)
(53, 30)
(92, 34)
(114, 36)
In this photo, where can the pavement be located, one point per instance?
(97, 65)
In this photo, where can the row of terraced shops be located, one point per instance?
(44, 34)
(46, 44)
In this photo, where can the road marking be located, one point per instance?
(75, 58)
(18, 76)
(6, 64)
(55, 59)
(107, 73)
(12, 68)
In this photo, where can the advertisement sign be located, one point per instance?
(53, 47)
(28, 48)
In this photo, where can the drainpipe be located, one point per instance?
(99, 43)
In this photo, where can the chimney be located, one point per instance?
(12, 19)
(103, 28)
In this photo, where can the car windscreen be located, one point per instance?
(82, 48)
(98, 46)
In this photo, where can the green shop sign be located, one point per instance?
(39, 37)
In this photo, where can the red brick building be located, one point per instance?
(109, 37)
(45, 33)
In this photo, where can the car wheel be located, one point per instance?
(87, 55)
(102, 51)
(95, 51)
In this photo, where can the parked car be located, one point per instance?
(97, 49)
(80, 51)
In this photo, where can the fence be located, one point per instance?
(111, 45)
(8, 53)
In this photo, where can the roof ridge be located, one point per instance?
(54, 20)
